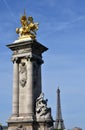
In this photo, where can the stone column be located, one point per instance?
(30, 106)
(40, 62)
(15, 107)
(39, 80)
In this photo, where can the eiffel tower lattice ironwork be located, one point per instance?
(59, 123)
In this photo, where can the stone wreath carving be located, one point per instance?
(23, 74)
(42, 111)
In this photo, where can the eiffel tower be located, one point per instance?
(59, 123)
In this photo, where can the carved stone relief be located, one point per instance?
(20, 127)
(23, 74)
(42, 111)
(26, 50)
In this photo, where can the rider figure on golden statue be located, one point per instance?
(28, 29)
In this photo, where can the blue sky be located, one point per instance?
(62, 30)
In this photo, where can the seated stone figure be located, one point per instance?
(42, 111)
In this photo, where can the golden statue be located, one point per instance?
(28, 29)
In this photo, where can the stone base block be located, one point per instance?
(30, 125)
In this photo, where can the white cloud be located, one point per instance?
(54, 26)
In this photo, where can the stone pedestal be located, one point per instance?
(27, 60)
